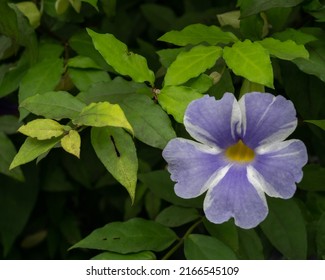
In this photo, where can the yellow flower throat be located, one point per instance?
(240, 153)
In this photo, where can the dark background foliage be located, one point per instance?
(63, 199)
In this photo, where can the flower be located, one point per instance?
(240, 155)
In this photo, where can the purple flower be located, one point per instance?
(240, 155)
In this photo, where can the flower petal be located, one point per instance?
(192, 165)
(234, 196)
(278, 167)
(214, 122)
(266, 118)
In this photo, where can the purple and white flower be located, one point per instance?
(240, 155)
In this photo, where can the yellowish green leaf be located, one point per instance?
(71, 143)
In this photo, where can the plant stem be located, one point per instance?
(181, 241)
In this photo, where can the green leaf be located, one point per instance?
(84, 78)
(54, 105)
(229, 18)
(83, 62)
(225, 232)
(7, 153)
(83, 45)
(297, 36)
(116, 150)
(160, 184)
(71, 143)
(203, 247)
(30, 10)
(252, 7)
(175, 99)
(150, 123)
(145, 255)
(17, 201)
(315, 65)
(15, 25)
(191, 64)
(198, 33)
(251, 247)
(248, 86)
(313, 179)
(132, 236)
(285, 228)
(31, 149)
(40, 78)
(251, 61)
(61, 6)
(124, 62)
(287, 50)
(319, 123)
(42, 129)
(168, 56)
(9, 124)
(175, 216)
(201, 84)
(103, 114)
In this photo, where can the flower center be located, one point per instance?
(240, 152)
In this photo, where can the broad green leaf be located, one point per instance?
(112, 91)
(124, 62)
(198, 33)
(159, 16)
(83, 62)
(15, 25)
(9, 124)
(116, 150)
(175, 99)
(12, 78)
(297, 36)
(313, 179)
(83, 45)
(225, 232)
(54, 105)
(250, 245)
(252, 7)
(40, 78)
(191, 64)
(49, 49)
(253, 28)
(319, 123)
(315, 65)
(132, 236)
(42, 129)
(31, 149)
(7, 153)
(251, 61)
(84, 78)
(248, 86)
(145, 255)
(17, 201)
(201, 84)
(160, 184)
(285, 228)
(103, 114)
(203, 247)
(150, 123)
(71, 143)
(168, 56)
(175, 216)
(30, 10)
(287, 50)
(229, 18)
(320, 236)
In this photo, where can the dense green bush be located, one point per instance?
(93, 90)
